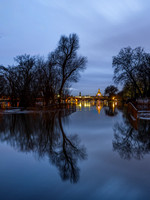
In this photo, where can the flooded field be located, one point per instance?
(87, 151)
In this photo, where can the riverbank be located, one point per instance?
(54, 107)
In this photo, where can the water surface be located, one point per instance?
(91, 152)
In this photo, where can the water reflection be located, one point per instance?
(99, 106)
(44, 135)
(109, 107)
(129, 142)
(85, 104)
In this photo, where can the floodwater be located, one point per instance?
(86, 152)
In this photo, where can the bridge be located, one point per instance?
(88, 98)
(98, 96)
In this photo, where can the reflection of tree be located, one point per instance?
(69, 153)
(44, 135)
(111, 110)
(131, 143)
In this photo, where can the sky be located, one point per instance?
(104, 27)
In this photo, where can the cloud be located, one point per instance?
(116, 11)
(103, 26)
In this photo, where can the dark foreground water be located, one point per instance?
(87, 153)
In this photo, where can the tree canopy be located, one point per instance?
(66, 60)
(111, 90)
(132, 70)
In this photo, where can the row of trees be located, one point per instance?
(132, 70)
(33, 76)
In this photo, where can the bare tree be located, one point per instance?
(132, 68)
(25, 71)
(126, 64)
(66, 60)
(33, 76)
(144, 75)
(9, 83)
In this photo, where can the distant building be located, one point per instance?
(99, 94)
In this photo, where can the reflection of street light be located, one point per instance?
(113, 105)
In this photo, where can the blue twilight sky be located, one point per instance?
(103, 26)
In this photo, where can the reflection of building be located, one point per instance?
(99, 106)
(99, 94)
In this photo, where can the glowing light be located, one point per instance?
(99, 106)
(113, 105)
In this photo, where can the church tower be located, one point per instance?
(99, 94)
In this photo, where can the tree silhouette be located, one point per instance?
(34, 77)
(68, 63)
(132, 69)
(43, 134)
(131, 143)
(110, 111)
(111, 90)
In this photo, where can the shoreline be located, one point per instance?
(51, 108)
